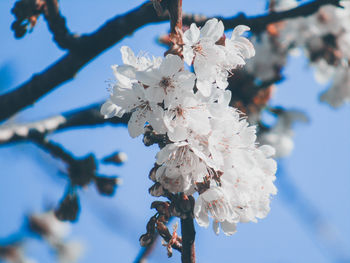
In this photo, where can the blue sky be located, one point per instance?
(319, 167)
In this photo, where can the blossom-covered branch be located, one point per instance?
(89, 46)
(85, 117)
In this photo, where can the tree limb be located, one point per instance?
(90, 46)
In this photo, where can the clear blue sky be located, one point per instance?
(319, 167)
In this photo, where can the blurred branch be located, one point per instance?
(54, 149)
(146, 251)
(86, 117)
(258, 24)
(57, 25)
(81, 172)
(87, 47)
(326, 237)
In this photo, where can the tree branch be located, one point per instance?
(258, 24)
(90, 46)
(86, 117)
(57, 26)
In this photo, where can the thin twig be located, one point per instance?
(54, 149)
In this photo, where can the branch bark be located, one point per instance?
(88, 47)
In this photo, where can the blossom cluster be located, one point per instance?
(212, 149)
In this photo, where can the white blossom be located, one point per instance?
(168, 82)
(215, 202)
(200, 48)
(211, 149)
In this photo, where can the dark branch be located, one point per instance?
(54, 149)
(86, 117)
(258, 24)
(57, 26)
(87, 48)
(90, 46)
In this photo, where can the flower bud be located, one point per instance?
(106, 185)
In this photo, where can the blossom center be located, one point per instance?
(165, 82)
(198, 48)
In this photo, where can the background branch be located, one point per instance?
(57, 26)
(86, 117)
(88, 47)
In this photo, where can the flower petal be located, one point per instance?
(136, 123)
(171, 65)
(109, 110)
(228, 228)
(149, 78)
(191, 36)
(213, 29)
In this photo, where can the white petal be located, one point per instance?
(109, 109)
(228, 228)
(216, 227)
(126, 70)
(149, 78)
(128, 56)
(239, 30)
(201, 215)
(185, 79)
(179, 133)
(267, 150)
(157, 120)
(136, 123)
(213, 29)
(191, 35)
(188, 54)
(155, 94)
(171, 65)
(164, 153)
(204, 87)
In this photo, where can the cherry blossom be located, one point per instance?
(210, 147)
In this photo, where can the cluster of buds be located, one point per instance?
(179, 205)
(81, 173)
